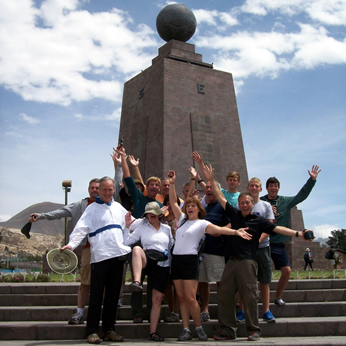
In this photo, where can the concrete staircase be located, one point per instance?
(40, 312)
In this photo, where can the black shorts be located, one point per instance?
(184, 267)
(279, 255)
(158, 275)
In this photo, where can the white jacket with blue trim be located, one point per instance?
(104, 224)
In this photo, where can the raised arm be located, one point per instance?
(135, 167)
(314, 172)
(208, 173)
(122, 153)
(118, 173)
(173, 195)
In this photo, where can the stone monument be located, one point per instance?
(181, 104)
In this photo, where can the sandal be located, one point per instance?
(155, 337)
(136, 286)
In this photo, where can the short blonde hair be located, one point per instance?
(255, 180)
(156, 179)
(233, 175)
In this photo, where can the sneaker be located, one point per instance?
(253, 337)
(222, 336)
(205, 317)
(136, 286)
(185, 335)
(268, 317)
(138, 319)
(172, 318)
(202, 336)
(279, 301)
(240, 316)
(112, 336)
(76, 318)
(93, 339)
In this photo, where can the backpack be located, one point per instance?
(329, 254)
(306, 256)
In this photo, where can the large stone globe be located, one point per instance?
(176, 21)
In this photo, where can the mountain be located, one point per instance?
(13, 242)
(47, 227)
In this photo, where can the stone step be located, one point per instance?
(72, 287)
(293, 327)
(64, 313)
(49, 299)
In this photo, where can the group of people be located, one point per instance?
(182, 246)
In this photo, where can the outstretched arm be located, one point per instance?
(208, 173)
(173, 195)
(216, 230)
(290, 232)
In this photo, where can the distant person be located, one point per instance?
(75, 211)
(282, 206)
(308, 258)
(330, 255)
(103, 222)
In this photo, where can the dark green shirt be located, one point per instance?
(283, 206)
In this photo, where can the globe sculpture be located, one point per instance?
(176, 22)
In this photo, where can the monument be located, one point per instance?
(181, 104)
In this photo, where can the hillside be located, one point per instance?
(52, 228)
(13, 242)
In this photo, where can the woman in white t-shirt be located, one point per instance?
(184, 267)
(156, 240)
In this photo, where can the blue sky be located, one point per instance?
(64, 63)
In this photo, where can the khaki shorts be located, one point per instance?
(85, 267)
(211, 268)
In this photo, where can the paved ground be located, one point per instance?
(305, 341)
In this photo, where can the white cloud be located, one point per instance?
(330, 12)
(114, 116)
(30, 120)
(268, 53)
(323, 231)
(212, 17)
(75, 56)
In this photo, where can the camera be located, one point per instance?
(309, 235)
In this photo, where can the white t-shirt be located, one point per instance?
(188, 236)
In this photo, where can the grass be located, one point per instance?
(316, 274)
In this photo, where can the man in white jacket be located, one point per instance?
(104, 224)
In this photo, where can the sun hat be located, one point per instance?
(62, 262)
(153, 208)
(139, 182)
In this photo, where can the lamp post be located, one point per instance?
(66, 185)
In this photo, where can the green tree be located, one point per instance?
(338, 239)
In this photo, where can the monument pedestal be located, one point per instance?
(179, 105)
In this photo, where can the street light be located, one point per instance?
(66, 185)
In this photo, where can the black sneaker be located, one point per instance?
(222, 336)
